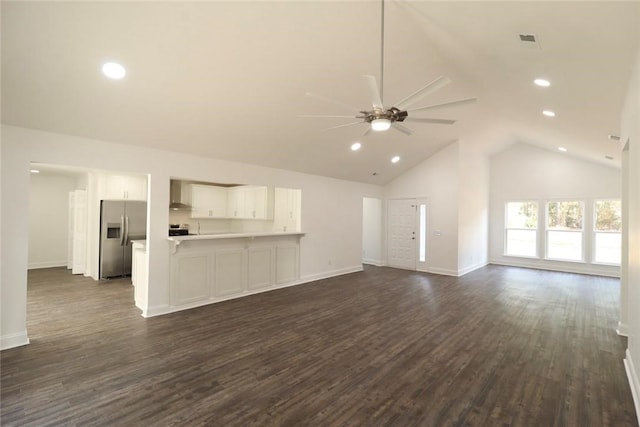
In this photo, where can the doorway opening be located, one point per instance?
(63, 245)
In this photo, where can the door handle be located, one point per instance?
(122, 231)
(126, 225)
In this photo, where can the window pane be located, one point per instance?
(423, 233)
(564, 215)
(608, 248)
(564, 245)
(521, 242)
(522, 215)
(608, 215)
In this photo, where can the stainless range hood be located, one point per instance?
(175, 194)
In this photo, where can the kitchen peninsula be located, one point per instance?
(239, 240)
(209, 268)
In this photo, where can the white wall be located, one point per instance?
(437, 180)
(372, 231)
(630, 131)
(49, 219)
(473, 215)
(525, 172)
(332, 244)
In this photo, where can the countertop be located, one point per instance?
(231, 235)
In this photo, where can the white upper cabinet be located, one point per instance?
(250, 202)
(287, 209)
(208, 201)
(123, 187)
(236, 202)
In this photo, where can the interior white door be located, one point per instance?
(401, 246)
(70, 228)
(80, 232)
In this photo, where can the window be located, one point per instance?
(521, 229)
(564, 230)
(607, 231)
(422, 234)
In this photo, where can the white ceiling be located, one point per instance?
(228, 79)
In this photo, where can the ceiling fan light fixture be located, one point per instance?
(380, 125)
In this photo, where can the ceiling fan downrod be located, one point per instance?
(382, 50)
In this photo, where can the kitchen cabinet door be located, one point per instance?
(124, 187)
(286, 209)
(208, 201)
(259, 202)
(236, 202)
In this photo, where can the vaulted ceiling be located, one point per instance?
(228, 79)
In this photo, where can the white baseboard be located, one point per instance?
(157, 310)
(567, 267)
(622, 329)
(329, 274)
(632, 377)
(443, 271)
(46, 264)
(376, 262)
(472, 268)
(14, 340)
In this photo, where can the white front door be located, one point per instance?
(401, 245)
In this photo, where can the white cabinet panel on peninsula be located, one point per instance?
(205, 269)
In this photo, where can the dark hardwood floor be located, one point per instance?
(500, 346)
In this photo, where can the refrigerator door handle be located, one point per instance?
(123, 232)
(126, 228)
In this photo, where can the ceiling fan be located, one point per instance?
(381, 118)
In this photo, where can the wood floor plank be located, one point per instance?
(500, 346)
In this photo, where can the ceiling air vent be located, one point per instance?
(529, 41)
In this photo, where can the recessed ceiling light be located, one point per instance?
(113, 70)
(356, 146)
(562, 149)
(395, 159)
(34, 171)
(542, 82)
(549, 113)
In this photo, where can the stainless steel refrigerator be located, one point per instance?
(120, 222)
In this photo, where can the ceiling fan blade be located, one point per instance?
(374, 92)
(426, 120)
(332, 101)
(446, 104)
(403, 129)
(438, 83)
(342, 126)
(327, 116)
(366, 132)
